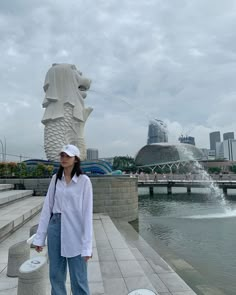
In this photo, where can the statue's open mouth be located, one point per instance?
(82, 88)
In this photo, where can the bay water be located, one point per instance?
(198, 228)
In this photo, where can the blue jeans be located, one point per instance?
(58, 264)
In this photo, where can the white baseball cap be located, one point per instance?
(71, 150)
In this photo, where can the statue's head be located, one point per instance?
(68, 69)
(63, 81)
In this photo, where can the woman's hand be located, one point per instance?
(86, 258)
(39, 249)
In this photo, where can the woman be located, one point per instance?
(66, 220)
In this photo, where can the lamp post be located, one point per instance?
(2, 150)
(5, 152)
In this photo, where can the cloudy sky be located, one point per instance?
(165, 59)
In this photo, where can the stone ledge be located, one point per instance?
(105, 188)
(11, 218)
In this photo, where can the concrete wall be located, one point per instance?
(116, 196)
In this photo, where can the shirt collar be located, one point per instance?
(74, 178)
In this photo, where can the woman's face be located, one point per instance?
(67, 161)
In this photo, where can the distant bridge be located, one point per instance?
(169, 184)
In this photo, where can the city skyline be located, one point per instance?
(151, 59)
(93, 152)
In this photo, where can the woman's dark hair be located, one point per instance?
(76, 170)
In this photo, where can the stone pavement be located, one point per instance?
(123, 266)
(120, 263)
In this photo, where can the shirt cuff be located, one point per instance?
(86, 253)
(39, 239)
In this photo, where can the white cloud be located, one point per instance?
(147, 59)
(196, 52)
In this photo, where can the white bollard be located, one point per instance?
(17, 254)
(33, 231)
(32, 277)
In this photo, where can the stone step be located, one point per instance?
(161, 274)
(9, 196)
(16, 214)
(4, 187)
(121, 272)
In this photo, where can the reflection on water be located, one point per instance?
(226, 214)
(196, 228)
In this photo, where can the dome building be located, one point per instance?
(165, 153)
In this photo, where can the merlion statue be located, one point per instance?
(65, 113)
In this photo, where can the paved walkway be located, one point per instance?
(120, 264)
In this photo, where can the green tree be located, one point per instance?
(20, 170)
(214, 169)
(124, 163)
(233, 168)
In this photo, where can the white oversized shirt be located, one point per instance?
(75, 203)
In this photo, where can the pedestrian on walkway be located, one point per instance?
(66, 220)
(220, 176)
(155, 177)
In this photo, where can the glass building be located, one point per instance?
(228, 135)
(157, 132)
(187, 139)
(92, 154)
(214, 138)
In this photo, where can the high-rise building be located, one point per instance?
(226, 150)
(208, 154)
(228, 135)
(214, 138)
(219, 152)
(157, 132)
(187, 139)
(92, 154)
(229, 149)
(205, 153)
(233, 144)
